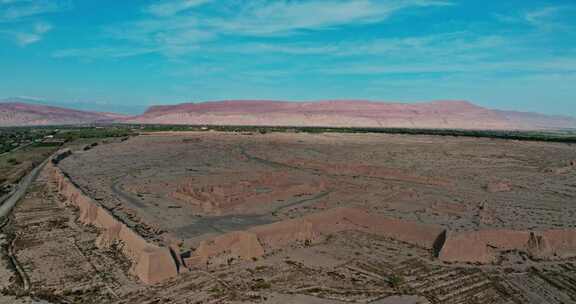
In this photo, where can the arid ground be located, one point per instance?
(214, 217)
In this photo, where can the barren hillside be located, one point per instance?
(446, 114)
(14, 113)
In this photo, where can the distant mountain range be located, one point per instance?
(17, 112)
(446, 114)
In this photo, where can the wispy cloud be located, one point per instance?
(254, 28)
(543, 18)
(22, 22)
(285, 17)
(110, 52)
(34, 35)
(173, 7)
(551, 65)
(188, 26)
(430, 46)
(16, 10)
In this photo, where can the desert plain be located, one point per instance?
(241, 217)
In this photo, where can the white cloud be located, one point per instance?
(552, 18)
(541, 16)
(555, 65)
(111, 52)
(42, 27)
(173, 7)
(189, 26)
(544, 18)
(445, 44)
(285, 17)
(34, 35)
(16, 10)
(27, 34)
(20, 18)
(24, 39)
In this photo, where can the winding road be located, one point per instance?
(20, 191)
(6, 207)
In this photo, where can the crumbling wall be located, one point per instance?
(485, 246)
(280, 234)
(554, 244)
(414, 233)
(150, 263)
(223, 249)
(481, 246)
(258, 240)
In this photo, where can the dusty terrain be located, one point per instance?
(304, 218)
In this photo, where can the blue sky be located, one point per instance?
(126, 55)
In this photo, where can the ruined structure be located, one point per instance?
(150, 263)
(236, 197)
(485, 246)
(258, 240)
(186, 202)
(226, 248)
(333, 217)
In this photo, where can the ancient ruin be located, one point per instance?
(485, 246)
(151, 263)
(264, 215)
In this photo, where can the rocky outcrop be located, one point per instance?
(485, 246)
(150, 263)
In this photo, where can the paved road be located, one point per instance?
(21, 188)
(7, 206)
(7, 195)
(12, 192)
